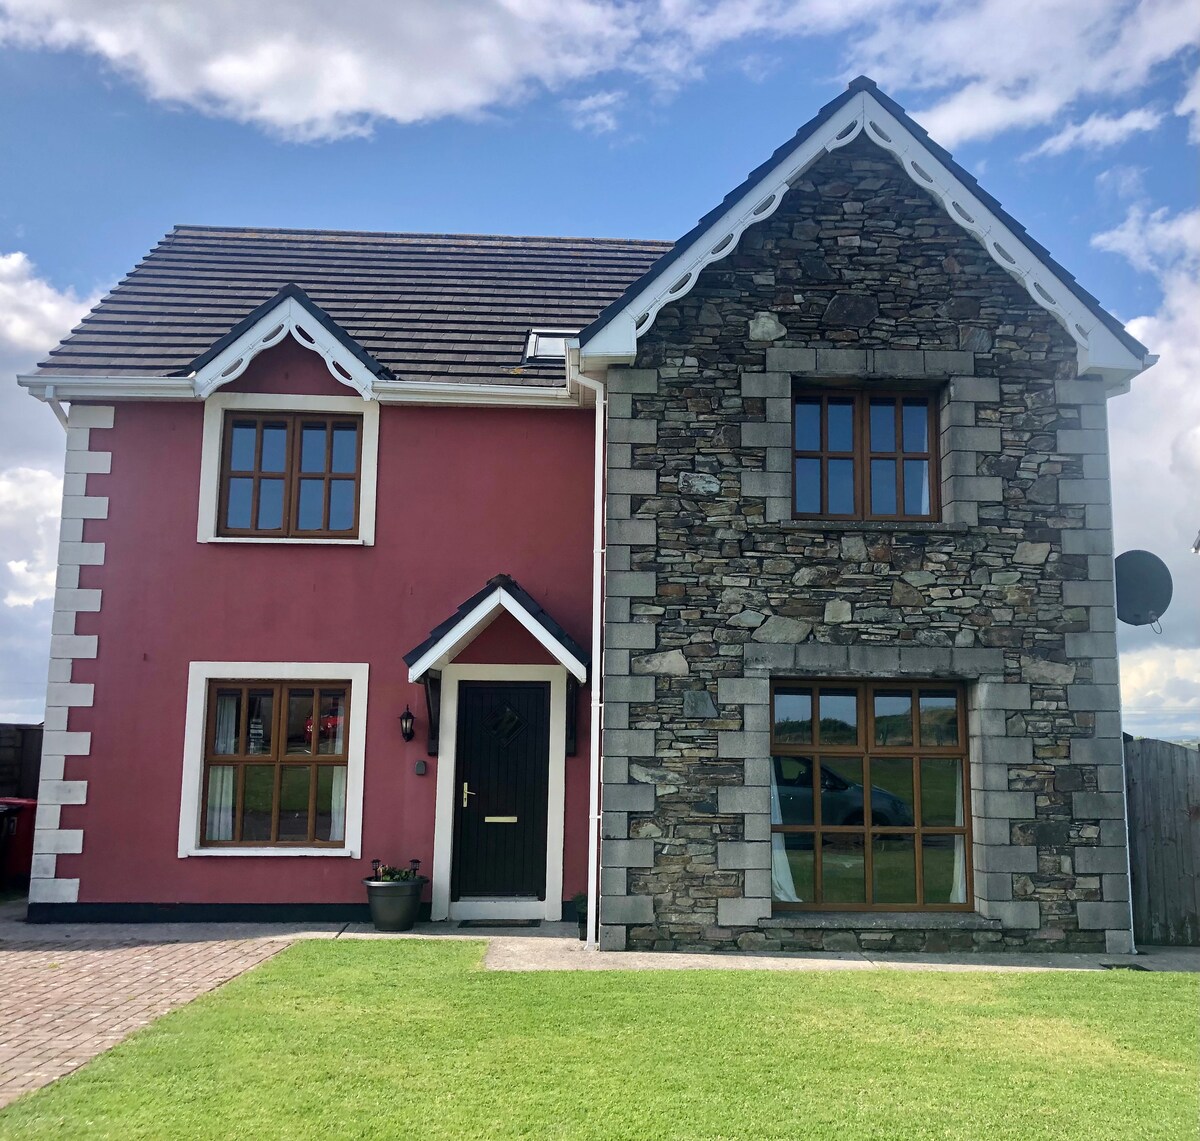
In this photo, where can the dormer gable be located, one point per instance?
(291, 312)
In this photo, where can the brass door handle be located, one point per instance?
(466, 792)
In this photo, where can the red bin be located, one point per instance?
(16, 839)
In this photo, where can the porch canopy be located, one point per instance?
(501, 593)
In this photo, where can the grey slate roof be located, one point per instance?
(445, 307)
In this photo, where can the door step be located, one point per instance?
(500, 923)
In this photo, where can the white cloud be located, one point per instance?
(1160, 692)
(1097, 132)
(309, 70)
(1022, 63)
(1123, 181)
(596, 113)
(30, 499)
(34, 315)
(1156, 469)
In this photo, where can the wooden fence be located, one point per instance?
(1163, 782)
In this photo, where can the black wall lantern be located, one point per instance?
(406, 724)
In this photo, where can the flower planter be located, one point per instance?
(394, 903)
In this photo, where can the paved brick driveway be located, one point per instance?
(63, 1001)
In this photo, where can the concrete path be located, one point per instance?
(70, 991)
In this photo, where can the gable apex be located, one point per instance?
(291, 312)
(1105, 348)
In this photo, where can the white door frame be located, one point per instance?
(447, 765)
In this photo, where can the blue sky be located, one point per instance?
(590, 117)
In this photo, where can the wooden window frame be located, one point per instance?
(291, 476)
(277, 757)
(865, 750)
(861, 454)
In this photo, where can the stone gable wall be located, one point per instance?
(713, 589)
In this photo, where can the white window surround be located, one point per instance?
(215, 408)
(199, 676)
(549, 909)
(548, 345)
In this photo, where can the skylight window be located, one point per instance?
(547, 346)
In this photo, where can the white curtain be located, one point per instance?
(220, 802)
(959, 890)
(783, 887)
(337, 818)
(227, 724)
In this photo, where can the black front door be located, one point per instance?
(503, 747)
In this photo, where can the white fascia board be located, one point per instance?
(507, 395)
(108, 387)
(69, 388)
(472, 624)
(1100, 352)
(292, 317)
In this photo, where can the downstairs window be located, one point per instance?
(275, 764)
(869, 797)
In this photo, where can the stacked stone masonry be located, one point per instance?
(713, 589)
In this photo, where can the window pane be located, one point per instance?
(241, 452)
(808, 425)
(792, 867)
(841, 792)
(274, 447)
(883, 425)
(311, 510)
(793, 716)
(915, 420)
(894, 869)
(293, 802)
(843, 868)
(341, 504)
(893, 718)
(841, 487)
(939, 717)
(312, 447)
(839, 717)
(892, 792)
(794, 788)
(218, 816)
(331, 738)
(808, 487)
(941, 792)
(916, 487)
(331, 802)
(883, 487)
(260, 721)
(840, 426)
(258, 795)
(944, 867)
(228, 722)
(241, 492)
(270, 504)
(345, 448)
(300, 721)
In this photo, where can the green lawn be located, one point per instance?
(413, 1040)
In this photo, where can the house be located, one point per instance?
(758, 585)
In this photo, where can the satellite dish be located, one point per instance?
(1143, 588)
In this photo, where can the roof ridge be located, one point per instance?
(416, 234)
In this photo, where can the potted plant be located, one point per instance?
(580, 902)
(394, 895)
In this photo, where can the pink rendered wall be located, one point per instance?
(464, 494)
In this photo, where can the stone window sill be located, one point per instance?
(881, 921)
(850, 525)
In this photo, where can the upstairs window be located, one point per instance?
(864, 455)
(290, 475)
